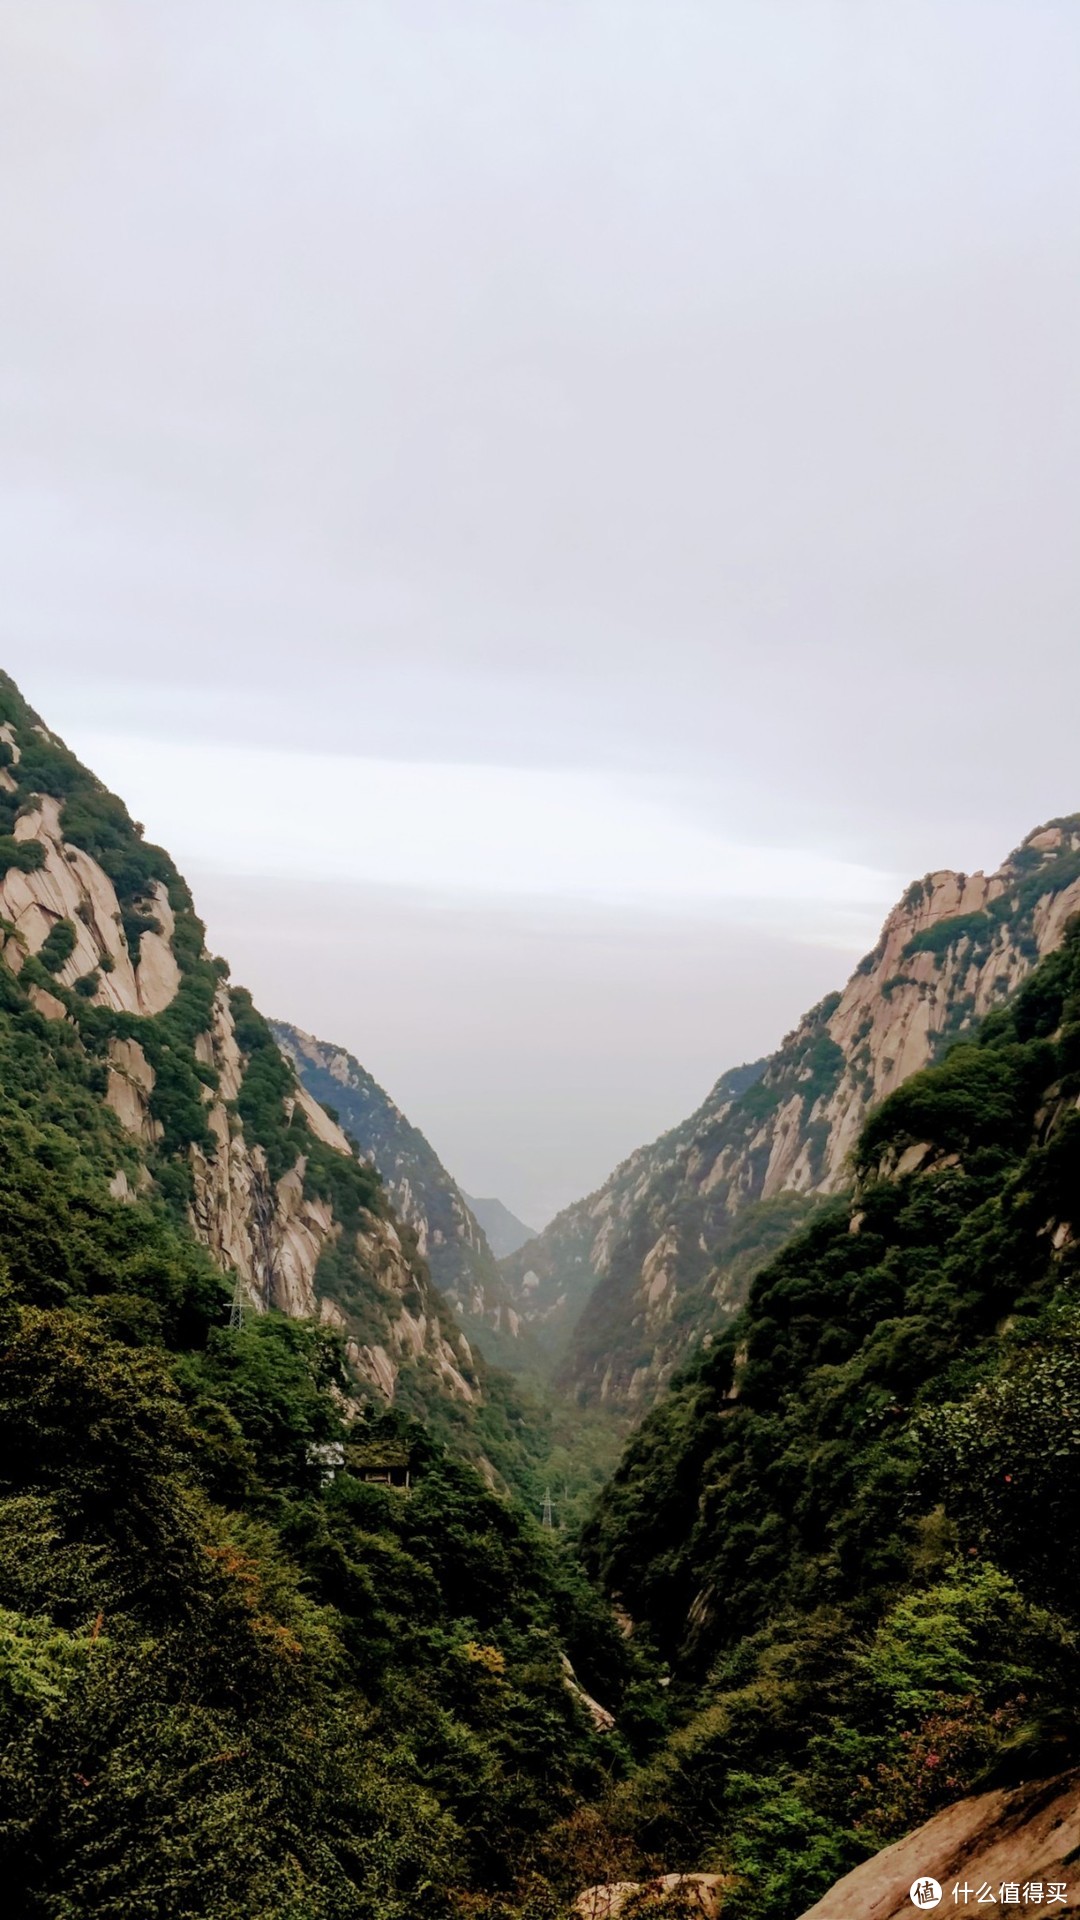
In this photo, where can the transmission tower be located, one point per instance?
(236, 1310)
(548, 1521)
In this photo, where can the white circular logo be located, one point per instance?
(925, 1893)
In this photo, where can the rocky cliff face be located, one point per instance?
(424, 1196)
(646, 1260)
(553, 1277)
(97, 929)
(69, 888)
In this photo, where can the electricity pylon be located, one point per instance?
(236, 1310)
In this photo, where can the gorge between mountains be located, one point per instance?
(686, 1558)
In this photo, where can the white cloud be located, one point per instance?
(492, 831)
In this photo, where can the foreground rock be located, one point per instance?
(1018, 1842)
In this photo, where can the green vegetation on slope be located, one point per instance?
(457, 1253)
(495, 1430)
(847, 1528)
(539, 1444)
(569, 1291)
(614, 1339)
(231, 1686)
(1036, 876)
(237, 1678)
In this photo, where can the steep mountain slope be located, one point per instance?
(106, 971)
(505, 1232)
(422, 1193)
(267, 1645)
(640, 1257)
(850, 1527)
(240, 1675)
(553, 1276)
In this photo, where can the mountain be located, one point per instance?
(275, 1635)
(642, 1269)
(444, 1223)
(849, 1527)
(184, 1097)
(552, 1278)
(505, 1232)
(268, 1644)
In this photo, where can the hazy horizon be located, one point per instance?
(553, 516)
(482, 980)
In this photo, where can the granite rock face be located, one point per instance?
(424, 1195)
(70, 886)
(632, 1277)
(122, 952)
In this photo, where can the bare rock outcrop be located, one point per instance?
(130, 1084)
(638, 1260)
(47, 1004)
(698, 1896)
(270, 1233)
(424, 1196)
(602, 1718)
(268, 1229)
(71, 886)
(274, 1233)
(1021, 1838)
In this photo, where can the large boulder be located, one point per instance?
(698, 1896)
(1018, 1842)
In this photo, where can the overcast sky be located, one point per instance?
(552, 511)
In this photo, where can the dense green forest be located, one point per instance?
(238, 1681)
(233, 1681)
(238, 1676)
(850, 1528)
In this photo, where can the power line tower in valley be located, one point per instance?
(236, 1310)
(548, 1520)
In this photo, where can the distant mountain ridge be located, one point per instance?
(640, 1268)
(424, 1195)
(505, 1232)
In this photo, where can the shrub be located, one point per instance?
(135, 924)
(1006, 1460)
(26, 855)
(943, 934)
(58, 946)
